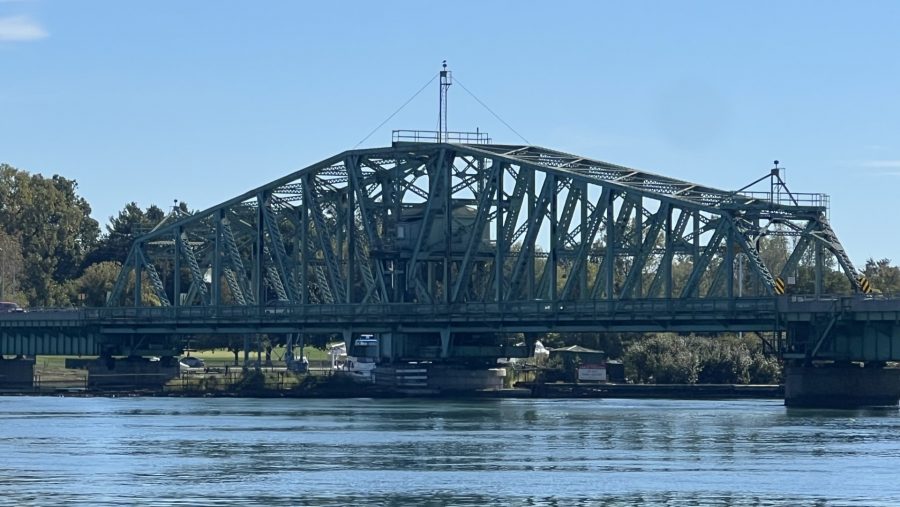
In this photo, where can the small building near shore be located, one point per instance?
(581, 363)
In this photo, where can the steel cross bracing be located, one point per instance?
(439, 223)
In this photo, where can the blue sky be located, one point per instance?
(200, 101)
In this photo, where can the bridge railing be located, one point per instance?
(457, 311)
(793, 198)
(431, 136)
(839, 303)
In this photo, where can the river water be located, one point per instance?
(223, 451)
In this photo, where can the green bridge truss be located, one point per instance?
(431, 240)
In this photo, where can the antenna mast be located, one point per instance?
(446, 81)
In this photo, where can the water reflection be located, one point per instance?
(62, 451)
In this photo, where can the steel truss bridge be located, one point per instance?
(447, 250)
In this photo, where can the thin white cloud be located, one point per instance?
(20, 28)
(882, 164)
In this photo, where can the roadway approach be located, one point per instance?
(449, 248)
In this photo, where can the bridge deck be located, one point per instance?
(858, 320)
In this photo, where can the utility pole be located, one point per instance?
(446, 81)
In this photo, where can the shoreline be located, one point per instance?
(544, 391)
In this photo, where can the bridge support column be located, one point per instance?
(246, 351)
(445, 343)
(17, 373)
(841, 386)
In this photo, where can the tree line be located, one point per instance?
(52, 253)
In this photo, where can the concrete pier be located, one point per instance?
(129, 373)
(17, 373)
(437, 378)
(841, 386)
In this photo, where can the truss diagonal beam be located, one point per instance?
(635, 274)
(314, 207)
(548, 190)
(197, 284)
(484, 205)
(589, 232)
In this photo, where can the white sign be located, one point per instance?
(592, 372)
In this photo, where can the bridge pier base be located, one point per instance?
(430, 378)
(130, 373)
(17, 373)
(841, 386)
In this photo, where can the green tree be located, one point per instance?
(11, 263)
(96, 282)
(663, 359)
(723, 362)
(883, 277)
(55, 230)
(121, 231)
(726, 359)
(99, 279)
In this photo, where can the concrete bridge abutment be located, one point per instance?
(842, 385)
(16, 373)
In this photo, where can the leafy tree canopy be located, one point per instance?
(55, 230)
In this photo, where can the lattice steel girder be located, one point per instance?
(444, 223)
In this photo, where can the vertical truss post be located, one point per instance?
(303, 246)
(138, 275)
(667, 256)
(589, 228)
(282, 278)
(743, 231)
(799, 251)
(609, 260)
(637, 287)
(351, 246)
(438, 185)
(636, 273)
(374, 282)
(258, 247)
(176, 276)
(820, 267)
(325, 240)
(553, 256)
(485, 200)
(586, 239)
(501, 247)
(529, 258)
(559, 229)
(524, 266)
(729, 262)
(447, 174)
(615, 232)
(217, 262)
(663, 277)
(507, 227)
(692, 287)
(695, 253)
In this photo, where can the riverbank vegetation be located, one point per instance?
(672, 359)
